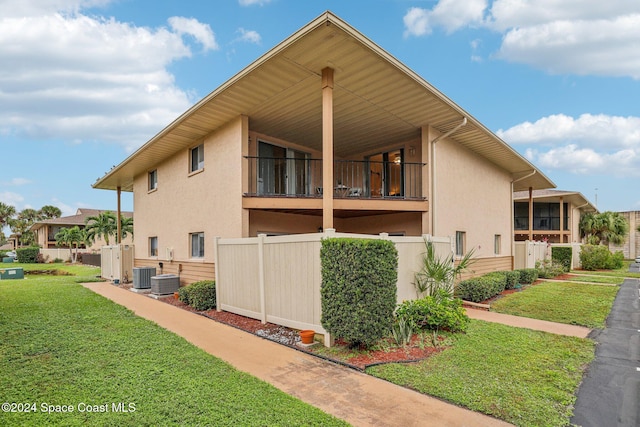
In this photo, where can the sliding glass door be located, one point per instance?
(282, 171)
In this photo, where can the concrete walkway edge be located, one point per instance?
(355, 397)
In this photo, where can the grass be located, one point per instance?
(525, 377)
(586, 278)
(64, 345)
(620, 272)
(562, 302)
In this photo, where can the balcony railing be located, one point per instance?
(302, 177)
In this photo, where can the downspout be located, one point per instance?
(432, 197)
(513, 226)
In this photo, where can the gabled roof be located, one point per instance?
(377, 100)
(78, 219)
(574, 197)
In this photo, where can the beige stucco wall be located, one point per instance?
(208, 201)
(471, 195)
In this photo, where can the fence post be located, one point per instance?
(216, 265)
(263, 303)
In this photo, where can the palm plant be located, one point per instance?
(102, 225)
(126, 226)
(48, 212)
(439, 273)
(603, 228)
(70, 237)
(6, 213)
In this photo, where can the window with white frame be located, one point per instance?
(153, 179)
(197, 158)
(153, 246)
(461, 238)
(197, 245)
(497, 244)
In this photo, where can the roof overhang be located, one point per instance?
(576, 198)
(377, 101)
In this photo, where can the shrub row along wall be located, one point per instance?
(482, 288)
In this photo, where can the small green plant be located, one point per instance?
(201, 295)
(57, 260)
(434, 312)
(549, 268)
(183, 295)
(478, 289)
(599, 257)
(402, 331)
(28, 255)
(439, 273)
(528, 275)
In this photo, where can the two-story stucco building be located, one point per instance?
(326, 130)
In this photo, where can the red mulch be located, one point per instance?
(413, 352)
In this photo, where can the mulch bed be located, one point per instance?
(415, 351)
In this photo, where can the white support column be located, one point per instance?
(327, 148)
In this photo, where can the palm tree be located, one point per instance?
(70, 237)
(603, 228)
(6, 213)
(126, 226)
(49, 212)
(439, 274)
(102, 225)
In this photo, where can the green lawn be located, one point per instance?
(564, 302)
(586, 278)
(525, 377)
(621, 272)
(61, 344)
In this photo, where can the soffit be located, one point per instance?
(377, 102)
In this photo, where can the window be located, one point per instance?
(497, 244)
(197, 158)
(153, 179)
(153, 246)
(461, 237)
(197, 245)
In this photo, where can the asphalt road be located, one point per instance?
(610, 392)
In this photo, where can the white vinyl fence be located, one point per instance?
(116, 263)
(59, 253)
(277, 279)
(529, 252)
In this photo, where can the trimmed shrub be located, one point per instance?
(358, 291)
(562, 255)
(548, 269)
(434, 312)
(183, 294)
(481, 288)
(28, 255)
(598, 257)
(528, 275)
(201, 295)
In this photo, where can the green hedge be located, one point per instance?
(199, 295)
(562, 255)
(358, 291)
(599, 257)
(528, 275)
(481, 288)
(28, 255)
(434, 312)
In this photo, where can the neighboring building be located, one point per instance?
(554, 216)
(326, 130)
(631, 246)
(46, 230)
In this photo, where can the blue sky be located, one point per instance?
(83, 83)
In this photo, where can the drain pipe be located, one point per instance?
(432, 197)
(513, 229)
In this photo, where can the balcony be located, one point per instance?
(352, 179)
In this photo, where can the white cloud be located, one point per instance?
(584, 37)
(10, 198)
(201, 32)
(253, 2)
(593, 130)
(80, 78)
(590, 144)
(15, 182)
(249, 36)
(450, 14)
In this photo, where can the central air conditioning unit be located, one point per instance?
(165, 284)
(142, 277)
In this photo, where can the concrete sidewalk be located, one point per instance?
(525, 322)
(355, 397)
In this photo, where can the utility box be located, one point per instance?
(142, 277)
(7, 259)
(165, 284)
(11, 273)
